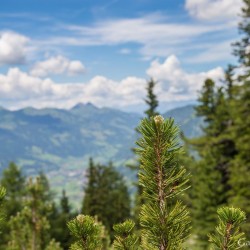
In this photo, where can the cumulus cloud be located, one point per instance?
(57, 65)
(19, 85)
(13, 48)
(213, 9)
(177, 84)
(20, 89)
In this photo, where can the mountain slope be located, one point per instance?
(60, 142)
(185, 117)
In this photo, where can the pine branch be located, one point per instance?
(165, 221)
(53, 245)
(87, 233)
(125, 239)
(228, 233)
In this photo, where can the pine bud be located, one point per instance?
(80, 218)
(158, 119)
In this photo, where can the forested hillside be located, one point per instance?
(61, 141)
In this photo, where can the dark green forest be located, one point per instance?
(190, 193)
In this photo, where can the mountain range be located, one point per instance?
(60, 142)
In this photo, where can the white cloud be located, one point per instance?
(214, 9)
(155, 34)
(13, 48)
(20, 85)
(57, 65)
(19, 89)
(175, 83)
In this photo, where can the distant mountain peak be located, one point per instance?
(81, 105)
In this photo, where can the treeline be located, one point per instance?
(221, 169)
(164, 219)
(33, 220)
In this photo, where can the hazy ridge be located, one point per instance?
(60, 142)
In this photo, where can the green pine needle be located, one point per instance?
(228, 233)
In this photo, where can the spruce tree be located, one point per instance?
(106, 196)
(206, 186)
(64, 202)
(240, 170)
(216, 150)
(164, 219)
(241, 48)
(151, 99)
(224, 148)
(59, 220)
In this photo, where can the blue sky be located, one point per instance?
(56, 53)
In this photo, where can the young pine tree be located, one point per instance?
(152, 104)
(30, 226)
(228, 235)
(14, 181)
(125, 238)
(164, 219)
(87, 233)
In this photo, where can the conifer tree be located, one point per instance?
(151, 99)
(64, 202)
(241, 48)
(30, 226)
(46, 193)
(125, 238)
(2, 214)
(152, 103)
(240, 166)
(164, 219)
(240, 170)
(14, 181)
(216, 148)
(58, 221)
(224, 147)
(228, 235)
(87, 233)
(204, 192)
(53, 245)
(106, 196)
